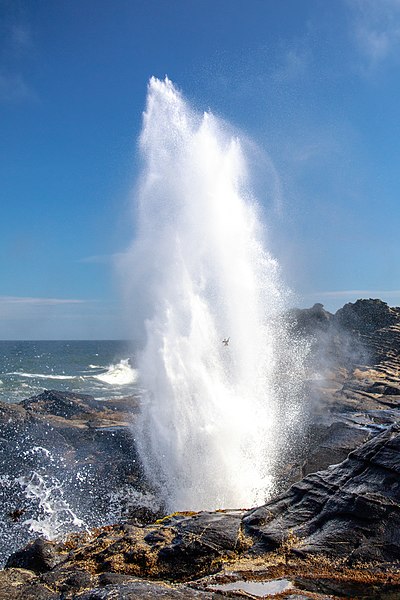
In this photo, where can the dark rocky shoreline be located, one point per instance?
(331, 531)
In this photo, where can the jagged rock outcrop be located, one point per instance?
(349, 512)
(361, 495)
(67, 405)
(363, 316)
(314, 533)
(71, 451)
(366, 316)
(355, 391)
(312, 319)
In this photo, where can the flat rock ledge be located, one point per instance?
(334, 534)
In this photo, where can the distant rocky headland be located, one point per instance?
(331, 530)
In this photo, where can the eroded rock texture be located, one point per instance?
(349, 512)
(67, 462)
(332, 530)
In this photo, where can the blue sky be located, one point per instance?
(315, 84)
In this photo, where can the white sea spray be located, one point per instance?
(198, 272)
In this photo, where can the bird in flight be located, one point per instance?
(226, 341)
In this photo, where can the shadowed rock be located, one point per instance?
(63, 404)
(334, 516)
(350, 510)
(138, 590)
(366, 316)
(38, 556)
(71, 454)
(312, 319)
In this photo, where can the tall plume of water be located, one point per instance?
(198, 273)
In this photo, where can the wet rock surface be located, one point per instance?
(332, 530)
(71, 452)
(343, 522)
(354, 388)
(360, 495)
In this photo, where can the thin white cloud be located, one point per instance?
(20, 300)
(376, 29)
(294, 65)
(16, 48)
(35, 318)
(19, 310)
(102, 259)
(20, 37)
(370, 293)
(13, 88)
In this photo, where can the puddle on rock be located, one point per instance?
(256, 588)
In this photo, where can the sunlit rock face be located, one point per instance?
(367, 316)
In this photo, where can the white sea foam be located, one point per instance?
(118, 374)
(39, 450)
(196, 273)
(54, 514)
(127, 499)
(43, 375)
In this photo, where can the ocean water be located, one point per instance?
(61, 491)
(104, 368)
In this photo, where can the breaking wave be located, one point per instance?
(121, 373)
(43, 376)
